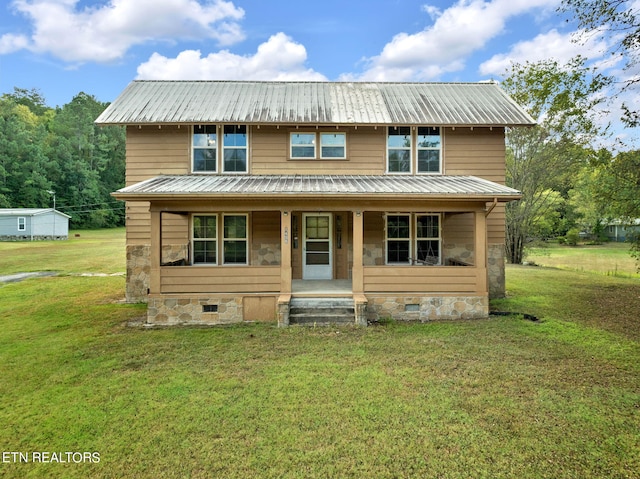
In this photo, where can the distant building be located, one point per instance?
(33, 224)
(621, 231)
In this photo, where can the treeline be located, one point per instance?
(46, 151)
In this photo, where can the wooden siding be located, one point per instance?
(270, 152)
(152, 151)
(420, 279)
(219, 279)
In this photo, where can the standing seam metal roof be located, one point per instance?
(319, 185)
(335, 103)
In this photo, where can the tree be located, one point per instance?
(617, 21)
(541, 161)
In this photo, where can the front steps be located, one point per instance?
(322, 311)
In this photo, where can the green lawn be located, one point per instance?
(497, 398)
(610, 258)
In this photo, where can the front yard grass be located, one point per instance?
(497, 398)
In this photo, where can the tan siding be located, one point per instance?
(419, 279)
(479, 152)
(458, 228)
(152, 151)
(270, 152)
(265, 227)
(205, 279)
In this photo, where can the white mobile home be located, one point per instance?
(31, 224)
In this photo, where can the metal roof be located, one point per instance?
(28, 211)
(335, 103)
(260, 186)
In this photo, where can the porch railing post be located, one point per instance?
(155, 251)
(285, 242)
(481, 251)
(357, 272)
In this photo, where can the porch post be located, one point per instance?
(357, 272)
(481, 251)
(155, 251)
(285, 246)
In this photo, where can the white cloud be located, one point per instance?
(105, 33)
(547, 46)
(442, 47)
(279, 58)
(10, 43)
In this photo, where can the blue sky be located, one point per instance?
(63, 47)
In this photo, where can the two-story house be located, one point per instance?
(246, 199)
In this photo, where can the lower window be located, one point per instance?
(413, 239)
(205, 239)
(235, 243)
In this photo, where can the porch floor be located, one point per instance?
(336, 287)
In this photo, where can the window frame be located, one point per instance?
(213, 240)
(395, 148)
(343, 146)
(223, 147)
(313, 144)
(438, 238)
(438, 149)
(225, 240)
(196, 147)
(22, 223)
(397, 240)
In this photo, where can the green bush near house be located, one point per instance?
(497, 398)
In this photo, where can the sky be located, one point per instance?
(64, 47)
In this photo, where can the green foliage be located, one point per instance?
(617, 22)
(61, 150)
(542, 161)
(572, 237)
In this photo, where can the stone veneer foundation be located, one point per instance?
(496, 271)
(426, 308)
(174, 310)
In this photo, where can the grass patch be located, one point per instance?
(93, 251)
(497, 398)
(610, 259)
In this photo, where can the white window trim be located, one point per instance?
(440, 150)
(193, 240)
(194, 148)
(438, 238)
(315, 145)
(245, 239)
(410, 148)
(344, 146)
(22, 223)
(387, 239)
(223, 147)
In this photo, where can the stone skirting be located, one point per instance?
(495, 271)
(34, 238)
(172, 310)
(138, 271)
(426, 308)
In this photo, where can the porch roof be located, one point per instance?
(315, 186)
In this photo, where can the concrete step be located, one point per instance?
(321, 311)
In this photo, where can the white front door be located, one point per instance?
(317, 258)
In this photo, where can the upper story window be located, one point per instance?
(234, 147)
(231, 148)
(303, 145)
(429, 148)
(22, 223)
(205, 149)
(403, 157)
(399, 149)
(332, 146)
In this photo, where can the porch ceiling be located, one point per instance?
(315, 186)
